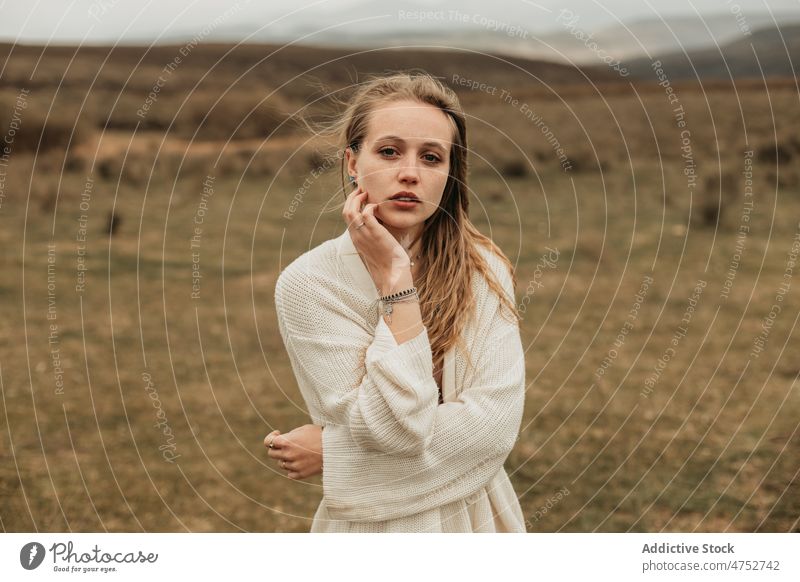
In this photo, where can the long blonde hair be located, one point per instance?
(449, 250)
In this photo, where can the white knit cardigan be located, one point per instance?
(394, 459)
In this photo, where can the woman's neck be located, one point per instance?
(407, 237)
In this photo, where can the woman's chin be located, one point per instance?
(398, 223)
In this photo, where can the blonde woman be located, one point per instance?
(416, 400)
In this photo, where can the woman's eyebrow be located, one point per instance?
(432, 144)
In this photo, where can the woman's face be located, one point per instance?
(406, 149)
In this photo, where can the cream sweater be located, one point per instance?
(394, 459)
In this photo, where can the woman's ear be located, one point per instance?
(351, 164)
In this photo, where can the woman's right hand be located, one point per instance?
(385, 258)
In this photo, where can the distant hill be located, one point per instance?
(264, 65)
(771, 51)
(369, 25)
(211, 88)
(647, 37)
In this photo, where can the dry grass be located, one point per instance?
(714, 447)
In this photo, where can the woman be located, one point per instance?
(412, 433)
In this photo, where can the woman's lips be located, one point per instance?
(405, 204)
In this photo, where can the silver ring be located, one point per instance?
(283, 464)
(271, 444)
(360, 225)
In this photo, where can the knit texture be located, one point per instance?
(394, 459)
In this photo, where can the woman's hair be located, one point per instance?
(449, 240)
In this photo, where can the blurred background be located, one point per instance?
(638, 163)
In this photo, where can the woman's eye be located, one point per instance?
(389, 151)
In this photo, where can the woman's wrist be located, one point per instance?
(394, 280)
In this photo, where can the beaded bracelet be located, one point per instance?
(409, 294)
(399, 294)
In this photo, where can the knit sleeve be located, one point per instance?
(385, 402)
(469, 444)
(384, 341)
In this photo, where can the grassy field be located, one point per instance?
(129, 404)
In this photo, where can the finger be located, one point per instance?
(270, 437)
(350, 202)
(354, 223)
(362, 200)
(368, 215)
(369, 210)
(294, 475)
(352, 211)
(276, 454)
(377, 213)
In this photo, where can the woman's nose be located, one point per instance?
(409, 174)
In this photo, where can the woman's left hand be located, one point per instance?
(299, 452)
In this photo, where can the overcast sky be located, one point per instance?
(129, 21)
